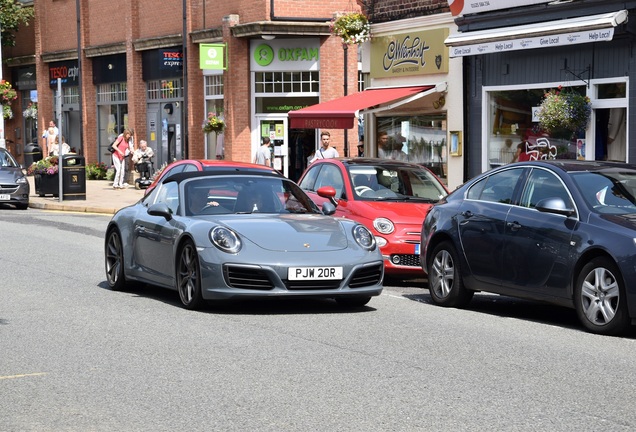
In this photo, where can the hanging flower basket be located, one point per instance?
(7, 93)
(213, 123)
(31, 111)
(564, 110)
(7, 112)
(352, 27)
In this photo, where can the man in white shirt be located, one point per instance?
(325, 151)
(263, 154)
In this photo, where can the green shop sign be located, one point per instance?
(285, 55)
(212, 56)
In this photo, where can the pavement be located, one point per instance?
(100, 198)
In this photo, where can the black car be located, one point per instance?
(563, 232)
(14, 186)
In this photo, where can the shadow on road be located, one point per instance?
(509, 307)
(266, 306)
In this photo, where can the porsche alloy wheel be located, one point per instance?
(599, 298)
(114, 261)
(189, 277)
(445, 283)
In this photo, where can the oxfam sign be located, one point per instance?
(285, 55)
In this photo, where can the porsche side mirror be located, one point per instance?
(328, 208)
(160, 209)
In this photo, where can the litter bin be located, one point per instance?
(32, 153)
(73, 177)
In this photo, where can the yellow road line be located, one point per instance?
(22, 376)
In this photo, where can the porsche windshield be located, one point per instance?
(245, 194)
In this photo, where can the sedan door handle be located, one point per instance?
(514, 226)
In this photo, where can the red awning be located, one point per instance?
(341, 113)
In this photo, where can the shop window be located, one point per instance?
(418, 139)
(112, 116)
(165, 89)
(214, 103)
(513, 129)
(287, 82)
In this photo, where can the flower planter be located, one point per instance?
(47, 184)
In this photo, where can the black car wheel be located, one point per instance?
(353, 301)
(114, 260)
(189, 277)
(444, 277)
(599, 298)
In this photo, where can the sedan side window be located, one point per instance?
(543, 184)
(499, 187)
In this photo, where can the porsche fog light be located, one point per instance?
(364, 237)
(225, 239)
(383, 225)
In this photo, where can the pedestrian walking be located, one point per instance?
(119, 157)
(326, 151)
(263, 154)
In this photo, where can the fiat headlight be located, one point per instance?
(383, 225)
(225, 239)
(364, 237)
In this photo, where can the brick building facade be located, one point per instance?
(122, 79)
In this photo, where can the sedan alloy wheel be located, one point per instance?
(599, 299)
(444, 277)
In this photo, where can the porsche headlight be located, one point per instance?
(21, 180)
(364, 237)
(383, 225)
(225, 239)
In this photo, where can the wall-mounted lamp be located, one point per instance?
(268, 37)
(168, 108)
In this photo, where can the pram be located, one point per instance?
(145, 168)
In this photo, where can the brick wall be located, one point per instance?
(106, 22)
(390, 10)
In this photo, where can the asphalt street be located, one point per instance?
(79, 357)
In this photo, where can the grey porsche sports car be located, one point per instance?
(240, 233)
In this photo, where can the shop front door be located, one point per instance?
(275, 127)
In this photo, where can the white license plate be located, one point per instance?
(417, 249)
(5, 197)
(314, 273)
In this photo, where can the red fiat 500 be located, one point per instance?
(389, 197)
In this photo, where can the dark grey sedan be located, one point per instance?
(563, 232)
(14, 186)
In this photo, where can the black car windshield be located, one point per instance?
(392, 182)
(608, 191)
(245, 194)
